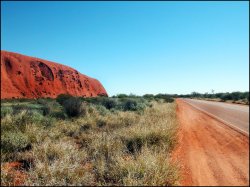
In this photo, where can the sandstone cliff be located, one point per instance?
(28, 77)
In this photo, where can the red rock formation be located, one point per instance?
(28, 77)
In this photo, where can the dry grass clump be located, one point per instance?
(148, 168)
(59, 163)
(101, 147)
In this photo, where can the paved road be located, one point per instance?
(236, 116)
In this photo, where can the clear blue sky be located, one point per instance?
(137, 47)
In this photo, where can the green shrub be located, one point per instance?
(62, 98)
(149, 97)
(130, 105)
(102, 110)
(133, 104)
(226, 96)
(5, 111)
(46, 110)
(19, 108)
(109, 103)
(168, 99)
(49, 107)
(122, 96)
(21, 121)
(74, 107)
(14, 141)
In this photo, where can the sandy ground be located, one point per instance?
(209, 152)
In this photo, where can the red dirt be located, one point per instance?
(210, 153)
(14, 172)
(28, 77)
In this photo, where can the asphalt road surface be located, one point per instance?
(236, 116)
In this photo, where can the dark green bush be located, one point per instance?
(132, 104)
(122, 96)
(46, 110)
(74, 107)
(62, 98)
(148, 96)
(134, 144)
(226, 96)
(18, 108)
(168, 99)
(109, 103)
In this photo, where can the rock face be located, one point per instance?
(28, 77)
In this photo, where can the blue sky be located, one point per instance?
(137, 47)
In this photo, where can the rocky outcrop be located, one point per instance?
(28, 77)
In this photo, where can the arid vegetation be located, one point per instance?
(233, 97)
(89, 141)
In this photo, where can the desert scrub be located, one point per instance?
(59, 163)
(149, 168)
(131, 148)
(74, 107)
(5, 111)
(62, 98)
(24, 119)
(101, 146)
(109, 103)
(156, 128)
(14, 141)
(132, 104)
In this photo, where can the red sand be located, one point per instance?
(14, 172)
(28, 77)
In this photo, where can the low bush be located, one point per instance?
(133, 104)
(19, 108)
(109, 103)
(74, 107)
(5, 111)
(13, 141)
(62, 98)
(102, 110)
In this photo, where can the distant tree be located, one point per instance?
(121, 95)
(148, 95)
(205, 95)
(236, 96)
(195, 94)
(226, 96)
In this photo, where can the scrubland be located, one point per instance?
(89, 141)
